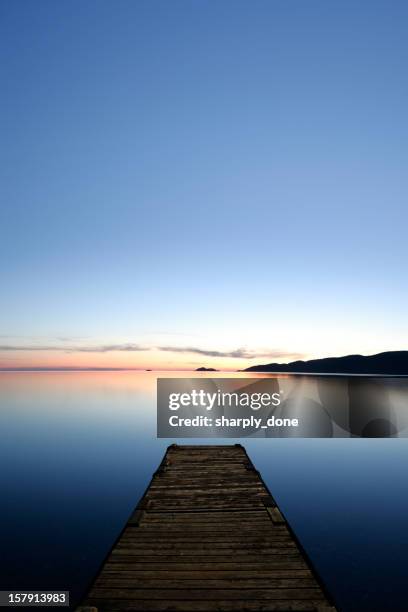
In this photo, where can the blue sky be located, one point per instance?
(202, 175)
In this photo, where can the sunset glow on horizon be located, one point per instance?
(130, 355)
(149, 358)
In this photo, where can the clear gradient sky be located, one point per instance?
(189, 183)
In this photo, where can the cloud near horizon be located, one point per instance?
(104, 348)
(239, 353)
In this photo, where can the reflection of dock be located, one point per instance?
(206, 536)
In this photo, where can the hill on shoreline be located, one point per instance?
(390, 362)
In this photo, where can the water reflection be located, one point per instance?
(78, 450)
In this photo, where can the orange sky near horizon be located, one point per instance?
(147, 359)
(186, 352)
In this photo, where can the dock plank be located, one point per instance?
(203, 539)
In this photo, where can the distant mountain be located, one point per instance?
(391, 362)
(203, 369)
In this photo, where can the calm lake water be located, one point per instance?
(78, 449)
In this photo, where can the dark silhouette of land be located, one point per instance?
(203, 369)
(391, 362)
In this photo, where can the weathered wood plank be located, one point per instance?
(211, 566)
(199, 559)
(244, 517)
(213, 548)
(141, 582)
(117, 605)
(207, 536)
(123, 571)
(206, 594)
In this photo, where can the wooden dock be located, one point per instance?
(206, 536)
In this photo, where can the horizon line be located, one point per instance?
(102, 369)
